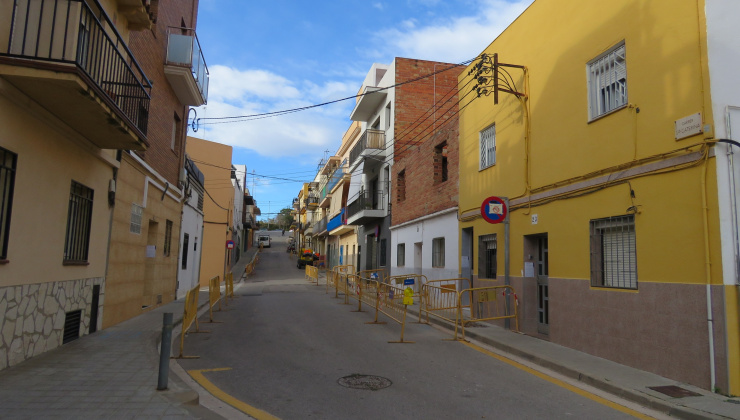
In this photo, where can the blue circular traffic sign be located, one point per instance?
(493, 210)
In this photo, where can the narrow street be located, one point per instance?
(283, 344)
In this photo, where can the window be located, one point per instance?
(7, 182)
(136, 214)
(487, 249)
(613, 253)
(438, 252)
(401, 255)
(79, 219)
(440, 163)
(185, 243)
(401, 186)
(607, 82)
(388, 116)
(167, 238)
(382, 252)
(487, 147)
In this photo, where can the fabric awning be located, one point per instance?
(355, 183)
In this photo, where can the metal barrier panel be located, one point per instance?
(214, 295)
(390, 303)
(340, 278)
(415, 281)
(492, 305)
(376, 274)
(229, 292)
(441, 299)
(189, 316)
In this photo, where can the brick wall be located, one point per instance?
(424, 105)
(425, 192)
(150, 49)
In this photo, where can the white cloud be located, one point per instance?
(453, 39)
(379, 6)
(235, 92)
(229, 84)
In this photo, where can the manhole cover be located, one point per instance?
(674, 391)
(370, 382)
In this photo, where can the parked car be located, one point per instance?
(264, 241)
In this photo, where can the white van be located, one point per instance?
(264, 241)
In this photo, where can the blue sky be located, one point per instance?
(283, 54)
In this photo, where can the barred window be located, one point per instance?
(607, 82)
(79, 220)
(487, 252)
(401, 255)
(167, 238)
(613, 252)
(136, 214)
(8, 161)
(438, 252)
(487, 147)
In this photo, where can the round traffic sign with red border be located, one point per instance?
(229, 244)
(493, 210)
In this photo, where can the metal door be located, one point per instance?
(543, 293)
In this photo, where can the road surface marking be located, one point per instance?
(562, 384)
(258, 414)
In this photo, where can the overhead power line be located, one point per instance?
(242, 118)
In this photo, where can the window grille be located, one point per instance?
(487, 267)
(487, 147)
(7, 182)
(79, 219)
(167, 238)
(136, 215)
(401, 255)
(613, 252)
(607, 82)
(438, 252)
(401, 186)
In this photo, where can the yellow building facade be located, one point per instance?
(603, 144)
(214, 160)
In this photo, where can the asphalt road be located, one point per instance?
(285, 344)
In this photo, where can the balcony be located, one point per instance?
(185, 67)
(321, 226)
(69, 58)
(368, 103)
(368, 206)
(371, 143)
(331, 182)
(337, 225)
(312, 201)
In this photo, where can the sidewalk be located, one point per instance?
(110, 374)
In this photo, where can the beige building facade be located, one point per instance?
(62, 123)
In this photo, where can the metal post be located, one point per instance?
(165, 350)
(507, 281)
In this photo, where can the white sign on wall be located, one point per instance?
(688, 126)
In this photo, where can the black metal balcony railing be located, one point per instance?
(370, 139)
(69, 31)
(183, 49)
(367, 200)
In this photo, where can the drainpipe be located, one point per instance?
(708, 267)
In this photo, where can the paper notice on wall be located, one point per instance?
(528, 269)
(151, 251)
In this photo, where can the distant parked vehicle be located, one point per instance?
(264, 241)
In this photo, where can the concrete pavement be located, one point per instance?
(113, 374)
(110, 374)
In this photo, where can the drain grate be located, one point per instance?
(674, 391)
(371, 382)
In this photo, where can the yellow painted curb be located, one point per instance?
(198, 376)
